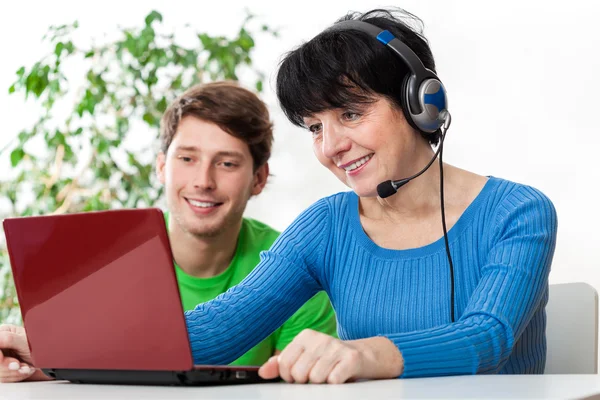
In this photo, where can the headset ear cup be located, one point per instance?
(433, 100)
(404, 103)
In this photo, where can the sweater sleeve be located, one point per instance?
(223, 329)
(513, 281)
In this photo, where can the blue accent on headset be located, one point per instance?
(437, 99)
(385, 37)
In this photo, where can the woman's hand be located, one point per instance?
(15, 358)
(318, 358)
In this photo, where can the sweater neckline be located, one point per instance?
(438, 245)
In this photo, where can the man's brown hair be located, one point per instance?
(234, 109)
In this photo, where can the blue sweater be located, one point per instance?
(502, 248)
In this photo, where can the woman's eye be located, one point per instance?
(315, 128)
(351, 116)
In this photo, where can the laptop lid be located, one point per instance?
(98, 290)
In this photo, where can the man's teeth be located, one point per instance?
(358, 163)
(201, 203)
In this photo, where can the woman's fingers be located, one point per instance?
(328, 360)
(346, 368)
(270, 369)
(11, 370)
(288, 358)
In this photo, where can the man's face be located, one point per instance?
(208, 177)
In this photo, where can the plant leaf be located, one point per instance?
(16, 156)
(153, 16)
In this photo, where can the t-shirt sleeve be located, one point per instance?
(317, 314)
(514, 282)
(223, 329)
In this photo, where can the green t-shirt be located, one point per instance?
(316, 314)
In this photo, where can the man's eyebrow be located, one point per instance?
(222, 153)
(187, 148)
(230, 154)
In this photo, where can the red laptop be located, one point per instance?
(100, 300)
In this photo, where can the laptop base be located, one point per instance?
(208, 376)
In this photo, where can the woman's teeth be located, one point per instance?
(358, 163)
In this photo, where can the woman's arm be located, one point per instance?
(223, 329)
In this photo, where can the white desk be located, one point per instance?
(462, 387)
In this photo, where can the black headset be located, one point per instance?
(423, 94)
(425, 106)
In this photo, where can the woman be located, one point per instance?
(401, 309)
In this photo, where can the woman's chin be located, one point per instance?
(364, 190)
(361, 187)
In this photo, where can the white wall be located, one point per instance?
(521, 76)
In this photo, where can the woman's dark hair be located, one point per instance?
(343, 68)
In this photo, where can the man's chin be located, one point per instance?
(203, 229)
(207, 226)
(206, 232)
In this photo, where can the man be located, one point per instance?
(215, 145)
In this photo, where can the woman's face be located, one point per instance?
(366, 145)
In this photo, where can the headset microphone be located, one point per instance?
(388, 188)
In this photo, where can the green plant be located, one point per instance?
(76, 156)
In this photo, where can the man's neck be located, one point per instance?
(203, 257)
